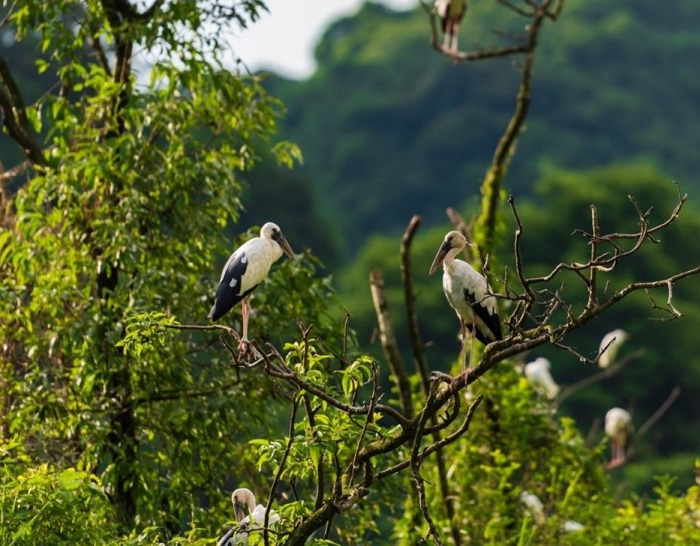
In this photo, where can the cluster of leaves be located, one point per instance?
(46, 504)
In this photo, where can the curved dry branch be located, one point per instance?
(390, 346)
(659, 413)
(14, 117)
(595, 378)
(277, 368)
(278, 474)
(409, 300)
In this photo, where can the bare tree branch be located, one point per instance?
(409, 300)
(659, 413)
(278, 474)
(390, 346)
(14, 114)
(604, 374)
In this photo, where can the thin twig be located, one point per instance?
(604, 374)
(659, 413)
(280, 469)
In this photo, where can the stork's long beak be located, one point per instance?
(440, 257)
(239, 509)
(282, 241)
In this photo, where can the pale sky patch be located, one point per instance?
(284, 39)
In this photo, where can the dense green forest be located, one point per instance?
(127, 418)
(389, 128)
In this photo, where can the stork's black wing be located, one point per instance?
(490, 319)
(229, 293)
(227, 539)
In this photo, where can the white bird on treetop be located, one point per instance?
(243, 500)
(468, 293)
(451, 13)
(610, 346)
(618, 427)
(245, 269)
(540, 377)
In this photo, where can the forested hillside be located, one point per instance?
(389, 128)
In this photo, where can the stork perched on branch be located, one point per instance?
(451, 13)
(540, 377)
(243, 500)
(245, 269)
(618, 427)
(468, 293)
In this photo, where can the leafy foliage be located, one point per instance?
(41, 503)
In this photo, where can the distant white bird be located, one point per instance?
(468, 293)
(571, 526)
(245, 269)
(610, 345)
(539, 376)
(451, 13)
(534, 506)
(618, 427)
(243, 499)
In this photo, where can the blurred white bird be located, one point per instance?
(618, 427)
(243, 499)
(539, 376)
(610, 345)
(534, 506)
(571, 526)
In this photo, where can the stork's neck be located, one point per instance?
(251, 503)
(448, 262)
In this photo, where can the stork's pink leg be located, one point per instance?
(617, 454)
(455, 38)
(471, 344)
(245, 308)
(464, 345)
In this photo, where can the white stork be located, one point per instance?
(618, 427)
(243, 499)
(451, 13)
(468, 293)
(245, 269)
(539, 376)
(610, 346)
(534, 505)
